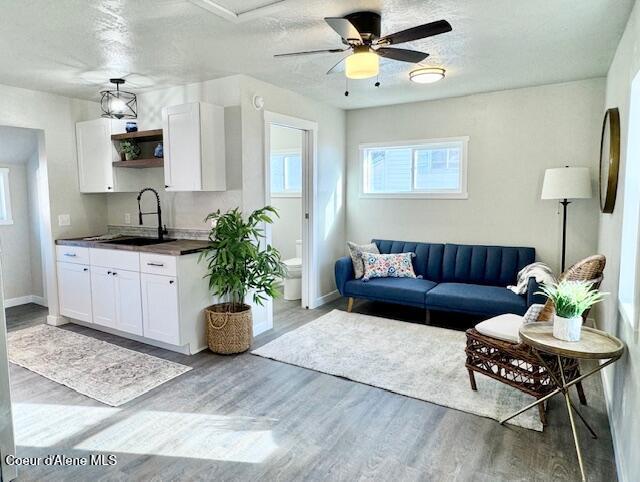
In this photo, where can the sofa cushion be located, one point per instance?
(503, 327)
(355, 251)
(388, 265)
(477, 299)
(394, 290)
(484, 265)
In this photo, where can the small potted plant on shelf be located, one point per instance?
(238, 266)
(130, 149)
(571, 299)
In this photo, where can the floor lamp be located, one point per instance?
(566, 183)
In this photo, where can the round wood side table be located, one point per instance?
(594, 344)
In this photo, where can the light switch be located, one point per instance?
(64, 220)
(127, 218)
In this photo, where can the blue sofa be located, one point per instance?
(455, 277)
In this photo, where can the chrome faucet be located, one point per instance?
(161, 230)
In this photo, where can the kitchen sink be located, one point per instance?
(139, 241)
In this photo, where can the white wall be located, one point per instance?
(56, 116)
(514, 136)
(15, 238)
(622, 380)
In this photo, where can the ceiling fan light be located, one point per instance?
(426, 75)
(362, 65)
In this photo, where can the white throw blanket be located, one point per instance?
(540, 271)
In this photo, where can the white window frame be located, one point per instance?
(285, 153)
(4, 179)
(461, 193)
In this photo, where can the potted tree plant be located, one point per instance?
(238, 266)
(571, 299)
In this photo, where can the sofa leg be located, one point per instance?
(581, 396)
(472, 379)
(543, 414)
(427, 317)
(349, 304)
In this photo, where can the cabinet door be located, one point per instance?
(74, 291)
(128, 302)
(103, 295)
(182, 150)
(95, 155)
(160, 308)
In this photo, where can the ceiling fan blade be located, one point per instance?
(416, 33)
(311, 52)
(403, 55)
(344, 28)
(336, 67)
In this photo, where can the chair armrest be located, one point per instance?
(532, 297)
(344, 272)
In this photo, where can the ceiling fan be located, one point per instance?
(360, 32)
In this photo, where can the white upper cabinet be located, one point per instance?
(96, 153)
(194, 147)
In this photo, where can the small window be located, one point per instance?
(286, 174)
(424, 169)
(5, 197)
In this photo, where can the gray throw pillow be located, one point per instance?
(355, 251)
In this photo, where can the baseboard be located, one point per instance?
(56, 320)
(23, 300)
(616, 447)
(323, 300)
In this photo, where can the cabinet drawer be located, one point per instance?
(113, 258)
(158, 264)
(72, 254)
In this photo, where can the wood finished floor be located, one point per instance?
(248, 418)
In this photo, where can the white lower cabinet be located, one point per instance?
(116, 299)
(74, 291)
(158, 298)
(160, 309)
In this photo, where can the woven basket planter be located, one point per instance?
(229, 332)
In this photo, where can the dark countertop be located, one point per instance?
(177, 247)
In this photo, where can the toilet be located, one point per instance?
(293, 277)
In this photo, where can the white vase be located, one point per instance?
(567, 329)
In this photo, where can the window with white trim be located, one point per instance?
(434, 168)
(5, 197)
(286, 174)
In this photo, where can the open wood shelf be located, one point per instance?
(141, 163)
(140, 136)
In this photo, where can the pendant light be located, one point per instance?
(119, 104)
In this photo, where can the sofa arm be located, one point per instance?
(532, 298)
(344, 273)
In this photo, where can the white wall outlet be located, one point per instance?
(64, 220)
(127, 218)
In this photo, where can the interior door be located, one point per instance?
(74, 291)
(7, 445)
(128, 302)
(103, 296)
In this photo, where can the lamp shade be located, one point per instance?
(567, 183)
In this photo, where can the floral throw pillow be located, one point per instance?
(397, 265)
(356, 250)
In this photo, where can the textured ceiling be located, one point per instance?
(71, 47)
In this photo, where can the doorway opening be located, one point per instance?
(24, 216)
(290, 180)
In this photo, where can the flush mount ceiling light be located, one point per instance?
(118, 104)
(362, 64)
(426, 75)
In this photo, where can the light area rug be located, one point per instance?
(105, 372)
(419, 361)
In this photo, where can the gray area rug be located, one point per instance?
(108, 373)
(418, 361)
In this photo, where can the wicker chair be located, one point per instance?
(515, 363)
